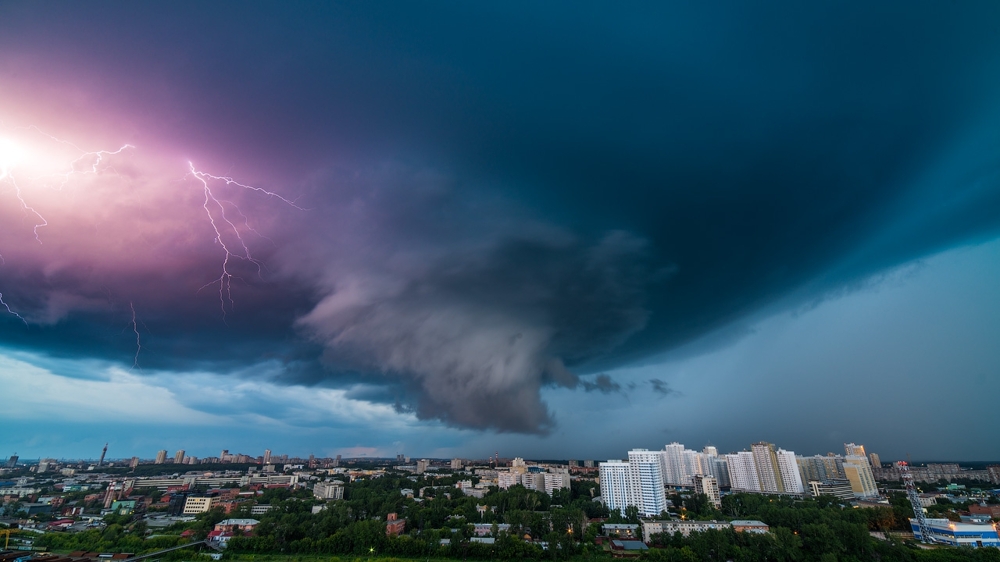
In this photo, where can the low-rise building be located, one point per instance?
(232, 525)
(199, 504)
(333, 490)
(685, 528)
(750, 526)
(394, 526)
(621, 530)
(486, 529)
(985, 509)
(957, 534)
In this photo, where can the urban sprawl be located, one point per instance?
(670, 504)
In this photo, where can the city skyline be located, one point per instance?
(544, 230)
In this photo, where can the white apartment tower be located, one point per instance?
(638, 482)
(788, 468)
(743, 472)
(647, 478)
(674, 465)
(616, 485)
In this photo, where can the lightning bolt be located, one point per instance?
(5, 305)
(26, 207)
(228, 222)
(138, 344)
(224, 224)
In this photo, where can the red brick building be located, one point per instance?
(393, 526)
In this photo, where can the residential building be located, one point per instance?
(267, 456)
(821, 468)
(194, 505)
(557, 481)
(859, 474)
(709, 486)
(507, 479)
(161, 457)
(750, 526)
(743, 472)
(456, 464)
(789, 472)
(620, 530)
(992, 470)
(134, 463)
(422, 466)
(674, 465)
(333, 490)
(533, 481)
(616, 485)
(875, 460)
(647, 479)
(852, 450)
(179, 457)
(674, 526)
(840, 489)
(765, 458)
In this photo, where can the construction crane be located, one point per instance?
(918, 508)
(6, 533)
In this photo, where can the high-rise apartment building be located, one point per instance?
(456, 464)
(852, 450)
(789, 471)
(821, 468)
(558, 480)
(134, 463)
(743, 472)
(638, 482)
(647, 478)
(859, 474)
(764, 469)
(267, 456)
(179, 457)
(674, 466)
(876, 461)
(616, 485)
(161, 456)
(766, 460)
(709, 486)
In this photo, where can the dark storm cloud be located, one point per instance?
(661, 387)
(502, 198)
(601, 383)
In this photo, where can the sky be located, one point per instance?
(449, 229)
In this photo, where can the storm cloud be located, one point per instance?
(493, 199)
